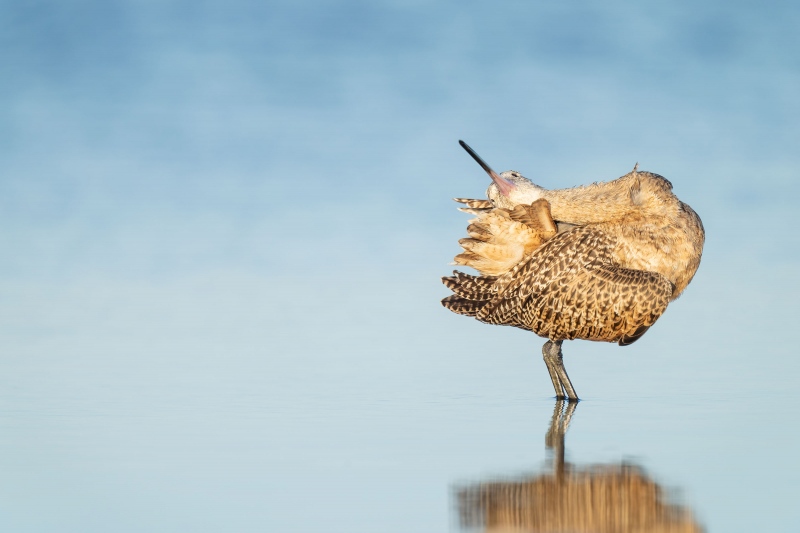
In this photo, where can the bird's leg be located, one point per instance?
(554, 359)
(552, 371)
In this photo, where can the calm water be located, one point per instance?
(188, 407)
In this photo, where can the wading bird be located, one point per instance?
(599, 262)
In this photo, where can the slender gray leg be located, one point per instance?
(552, 371)
(554, 359)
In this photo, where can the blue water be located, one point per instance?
(193, 406)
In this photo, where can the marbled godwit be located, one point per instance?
(597, 262)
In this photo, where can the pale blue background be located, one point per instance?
(223, 226)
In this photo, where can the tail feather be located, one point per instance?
(470, 293)
(501, 238)
(477, 288)
(479, 231)
(462, 306)
(475, 204)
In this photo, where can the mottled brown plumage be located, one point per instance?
(598, 262)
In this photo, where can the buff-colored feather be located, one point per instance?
(500, 238)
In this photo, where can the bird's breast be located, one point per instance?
(656, 245)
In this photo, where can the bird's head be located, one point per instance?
(518, 190)
(508, 188)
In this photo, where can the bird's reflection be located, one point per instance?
(601, 498)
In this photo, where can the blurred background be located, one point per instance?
(223, 226)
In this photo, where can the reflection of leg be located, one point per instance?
(555, 433)
(567, 418)
(554, 439)
(554, 359)
(559, 423)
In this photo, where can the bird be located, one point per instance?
(598, 262)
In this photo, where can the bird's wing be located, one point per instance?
(569, 288)
(501, 238)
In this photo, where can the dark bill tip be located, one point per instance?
(505, 186)
(476, 157)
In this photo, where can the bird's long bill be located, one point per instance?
(504, 185)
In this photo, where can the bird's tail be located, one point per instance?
(501, 238)
(470, 293)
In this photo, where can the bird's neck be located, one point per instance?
(591, 204)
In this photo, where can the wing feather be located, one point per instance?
(569, 288)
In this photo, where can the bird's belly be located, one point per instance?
(598, 324)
